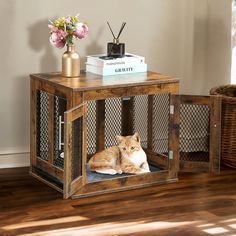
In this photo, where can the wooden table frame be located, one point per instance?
(89, 87)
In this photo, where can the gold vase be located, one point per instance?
(70, 62)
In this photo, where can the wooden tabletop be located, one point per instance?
(89, 81)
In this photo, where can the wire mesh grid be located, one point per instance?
(141, 118)
(194, 132)
(91, 127)
(161, 110)
(42, 124)
(59, 109)
(77, 148)
(113, 123)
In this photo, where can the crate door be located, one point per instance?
(75, 150)
(199, 132)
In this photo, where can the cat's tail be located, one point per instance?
(98, 166)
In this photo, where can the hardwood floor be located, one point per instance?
(196, 205)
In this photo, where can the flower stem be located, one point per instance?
(69, 39)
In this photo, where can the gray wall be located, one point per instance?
(189, 39)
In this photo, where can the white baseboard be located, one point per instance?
(11, 160)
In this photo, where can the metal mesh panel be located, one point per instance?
(91, 127)
(194, 132)
(42, 124)
(59, 109)
(113, 112)
(161, 109)
(77, 148)
(141, 118)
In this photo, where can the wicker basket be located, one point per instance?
(228, 123)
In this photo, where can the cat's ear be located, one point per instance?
(136, 137)
(119, 138)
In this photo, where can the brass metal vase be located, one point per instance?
(70, 62)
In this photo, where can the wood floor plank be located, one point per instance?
(198, 204)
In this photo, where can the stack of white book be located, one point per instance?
(103, 65)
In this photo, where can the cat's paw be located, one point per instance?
(119, 171)
(112, 172)
(107, 171)
(144, 171)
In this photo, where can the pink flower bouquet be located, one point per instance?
(65, 29)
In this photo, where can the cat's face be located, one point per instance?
(128, 145)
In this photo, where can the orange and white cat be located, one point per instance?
(127, 157)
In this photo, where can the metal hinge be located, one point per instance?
(60, 143)
(172, 109)
(171, 155)
(126, 98)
